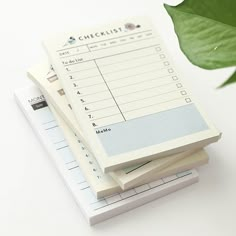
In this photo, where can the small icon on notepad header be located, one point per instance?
(131, 26)
(71, 40)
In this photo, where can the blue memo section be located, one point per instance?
(152, 129)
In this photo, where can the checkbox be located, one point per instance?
(179, 85)
(183, 92)
(188, 100)
(158, 49)
(166, 63)
(162, 56)
(170, 70)
(174, 77)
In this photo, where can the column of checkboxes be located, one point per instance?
(183, 92)
(174, 78)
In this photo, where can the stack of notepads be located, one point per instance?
(116, 117)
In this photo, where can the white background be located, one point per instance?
(33, 198)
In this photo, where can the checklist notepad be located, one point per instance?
(36, 110)
(127, 96)
(44, 77)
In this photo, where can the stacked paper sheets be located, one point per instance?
(116, 117)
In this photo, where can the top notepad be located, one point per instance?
(126, 94)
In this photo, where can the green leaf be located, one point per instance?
(206, 31)
(232, 79)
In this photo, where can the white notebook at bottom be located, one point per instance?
(35, 108)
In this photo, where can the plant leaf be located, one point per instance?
(232, 79)
(206, 31)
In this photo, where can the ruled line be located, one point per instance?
(143, 81)
(89, 77)
(121, 78)
(146, 72)
(138, 91)
(154, 87)
(87, 103)
(126, 77)
(136, 100)
(60, 141)
(120, 44)
(48, 122)
(131, 59)
(70, 162)
(99, 109)
(74, 167)
(62, 147)
(84, 188)
(89, 94)
(114, 55)
(144, 98)
(82, 70)
(105, 117)
(150, 63)
(153, 104)
(149, 188)
(87, 86)
(52, 127)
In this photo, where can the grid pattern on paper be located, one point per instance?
(54, 133)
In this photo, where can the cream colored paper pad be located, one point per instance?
(129, 99)
(103, 184)
(44, 77)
